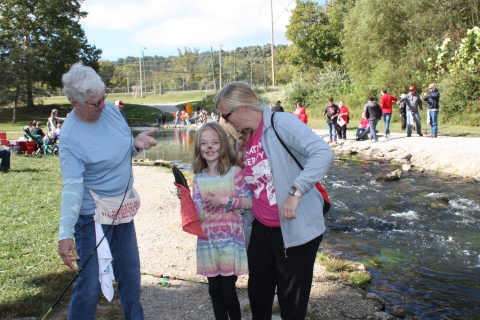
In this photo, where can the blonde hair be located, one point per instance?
(232, 96)
(227, 154)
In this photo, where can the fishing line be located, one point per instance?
(91, 255)
(161, 276)
(350, 159)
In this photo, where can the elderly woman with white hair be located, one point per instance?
(98, 199)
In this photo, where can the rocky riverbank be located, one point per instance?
(451, 155)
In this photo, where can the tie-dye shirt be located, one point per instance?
(224, 252)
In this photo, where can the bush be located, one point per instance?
(329, 82)
(460, 99)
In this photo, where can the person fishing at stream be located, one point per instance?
(98, 200)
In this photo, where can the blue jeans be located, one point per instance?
(373, 127)
(386, 120)
(413, 117)
(362, 132)
(332, 131)
(126, 268)
(433, 122)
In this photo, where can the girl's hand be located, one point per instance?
(214, 201)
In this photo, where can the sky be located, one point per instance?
(124, 28)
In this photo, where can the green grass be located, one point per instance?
(347, 270)
(32, 274)
(137, 113)
(132, 99)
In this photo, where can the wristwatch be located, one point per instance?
(228, 205)
(294, 192)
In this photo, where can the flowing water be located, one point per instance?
(418, 236)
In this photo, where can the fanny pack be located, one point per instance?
(106, 208)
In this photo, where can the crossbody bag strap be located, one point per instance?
(283, 143)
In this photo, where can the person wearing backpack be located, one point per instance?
(286, 204)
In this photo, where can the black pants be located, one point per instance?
(404, 121)
(272, 266)
(341, 131)
(5, 155)
(225, 302)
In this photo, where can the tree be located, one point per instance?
(316, 33)
(43, 38)
(186, 62)
(106, 71)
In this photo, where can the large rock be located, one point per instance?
(382, 316)
(403, 155)
(164, 163)
(377, 153)
(398, 311)
(392, 176)
(344, 151)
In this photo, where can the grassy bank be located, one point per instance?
(31, 272)
(443, 129)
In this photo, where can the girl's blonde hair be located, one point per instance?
(234, 95)
(227, 154)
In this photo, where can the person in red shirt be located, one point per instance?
(363, 128)
(300, 113)
(386, 103)
(345, 115)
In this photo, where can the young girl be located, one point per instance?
(219, 192)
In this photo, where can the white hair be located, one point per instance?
(81, 82)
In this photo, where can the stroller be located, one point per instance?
(45, 145)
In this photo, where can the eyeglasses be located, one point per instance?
(226, 116)
(96, 105)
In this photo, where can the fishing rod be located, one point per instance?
(161, 276)
(167, 283)
(90, 256)
(350, 159)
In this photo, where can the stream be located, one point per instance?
(419, 236)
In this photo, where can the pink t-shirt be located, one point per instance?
(258, 176)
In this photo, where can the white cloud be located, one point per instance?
(171, 24)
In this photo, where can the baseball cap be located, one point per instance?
(279, 101)
(412, 88)
(119, 103)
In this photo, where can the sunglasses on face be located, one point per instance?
(226, 116)
(96, 105)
